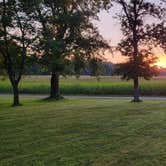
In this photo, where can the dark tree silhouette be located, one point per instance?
(157, 31)
(137, 44)
(158, 34)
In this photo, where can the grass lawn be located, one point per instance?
(83, 132)
(88, 86)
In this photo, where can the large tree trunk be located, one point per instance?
(136, 90)
(55, 90)
(16, 101)
(136, 64)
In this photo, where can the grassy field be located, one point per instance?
(83, 132)
(88, 86)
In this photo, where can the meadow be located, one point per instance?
(82, 132)
(88, 86)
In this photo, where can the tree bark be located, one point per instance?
(136, 90)
(16, 101)
(55, 90)
(136, 64)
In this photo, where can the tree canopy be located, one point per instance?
(16, 35)
(67, 37)
(137, 44)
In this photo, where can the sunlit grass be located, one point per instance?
(88, 86)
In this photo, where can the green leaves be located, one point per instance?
(68, 35)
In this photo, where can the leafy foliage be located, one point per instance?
(138, 43)
(67, 34)
(16, 35)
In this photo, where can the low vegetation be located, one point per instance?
(88, 86)
(83, 132)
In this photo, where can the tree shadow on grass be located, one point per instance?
(49, 99)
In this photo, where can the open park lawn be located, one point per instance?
(83, 132)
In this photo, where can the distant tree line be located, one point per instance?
(106, 69)
(59, 37)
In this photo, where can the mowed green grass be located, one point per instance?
(88, 86)
(83, 132)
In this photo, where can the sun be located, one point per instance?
(161, 64)
(161, 57)
(162, 61)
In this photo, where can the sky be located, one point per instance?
(109, 28)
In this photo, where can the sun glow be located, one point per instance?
(118, 58)
(162, 61)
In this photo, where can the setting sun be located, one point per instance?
(162, 60)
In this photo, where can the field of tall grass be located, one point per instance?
(87, 86)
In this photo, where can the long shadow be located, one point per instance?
(49, 99)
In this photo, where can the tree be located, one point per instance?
(67, 35)
(157, 31)
(16, 33)
(158, 34)
(137, 44)
(1, 66)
